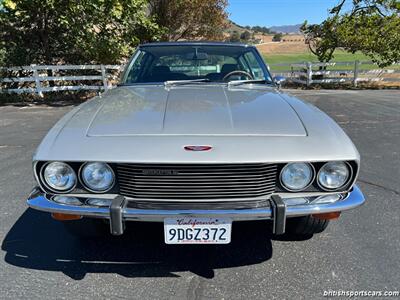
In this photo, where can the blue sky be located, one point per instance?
(278, 12)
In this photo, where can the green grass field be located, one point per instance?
(340, 55)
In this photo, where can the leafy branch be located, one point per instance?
(370, 26)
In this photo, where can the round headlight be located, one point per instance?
(333, 175)
(296, 176)
(97, 176)
(59, 177)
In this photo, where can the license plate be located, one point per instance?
(192, 230)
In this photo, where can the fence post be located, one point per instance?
(356, 69)
(38, 84)
(104, 76)
(309, 73)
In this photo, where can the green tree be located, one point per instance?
(190, 19)
(54, 31)
(263, 29)
(234, 37)
(277, 37)
(370, 26)
(245, 35)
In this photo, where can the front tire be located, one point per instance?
(87, 228)
(307, 225)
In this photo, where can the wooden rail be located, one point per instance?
(36, 79)
(308, 73)
(42, 79)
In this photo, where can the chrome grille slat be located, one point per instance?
(211, 177)
(202, 187)
(195, 167)
(197, 191)
(187, 170)
(198, 205)
(198, 197)
(191, 181)
(203, 172)
(200, 184)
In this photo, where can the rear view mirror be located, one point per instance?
(197, 56)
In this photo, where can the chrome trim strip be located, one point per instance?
(36, 174)
(281, 194)
(40, 201)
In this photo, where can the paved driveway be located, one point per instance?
(361, 251)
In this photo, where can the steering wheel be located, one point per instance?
(237, 72)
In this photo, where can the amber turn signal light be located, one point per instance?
(65, 217)
(328, 216)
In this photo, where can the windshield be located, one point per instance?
(154, 64)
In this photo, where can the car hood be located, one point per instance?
(194, 110)
(153, 124)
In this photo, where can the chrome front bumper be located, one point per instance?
(40, 201)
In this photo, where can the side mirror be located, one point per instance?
(279, 80)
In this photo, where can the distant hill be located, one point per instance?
(232, 27)
(262, 34)
(235, 27)
(287, 28)
(294, 29)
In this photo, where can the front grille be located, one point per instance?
(206, 205)
(196, 181)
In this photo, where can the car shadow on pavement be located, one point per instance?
(36, 241)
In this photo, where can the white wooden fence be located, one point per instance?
(36, 79)
(308, 73)
(42, 79)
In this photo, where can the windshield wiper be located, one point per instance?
(182, 82)
(240, 82)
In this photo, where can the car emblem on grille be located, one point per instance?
(197, 148)
(159, 172)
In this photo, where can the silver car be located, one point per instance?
(197, 136)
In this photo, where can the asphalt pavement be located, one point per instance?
(360, 251)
